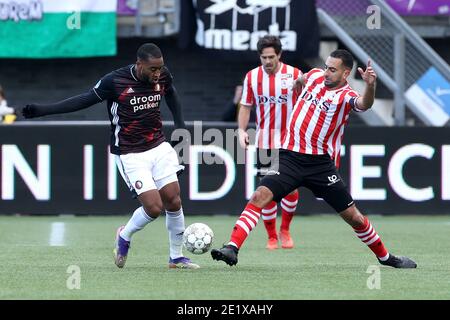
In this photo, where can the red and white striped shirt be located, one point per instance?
(317, 124)
(274, 100)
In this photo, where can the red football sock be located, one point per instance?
(369, 236)
(288, 206)
(269, 215)
(246, 222)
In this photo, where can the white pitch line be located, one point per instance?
(57, 234)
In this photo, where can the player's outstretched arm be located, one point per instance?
(174, 104)
(370, 78)
(71, 104)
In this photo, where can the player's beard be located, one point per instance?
(145, 77)
(331, 84)
(271, 67)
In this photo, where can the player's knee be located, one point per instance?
(173, 203)
(261, 197)
(353, 217)
(153, 209)
(358, 220)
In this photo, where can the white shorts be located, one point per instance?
(149, 170)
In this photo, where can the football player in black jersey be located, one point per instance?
(148, 164)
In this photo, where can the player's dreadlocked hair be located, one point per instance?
(148, 51)
(345, 56)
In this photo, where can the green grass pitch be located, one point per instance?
(328, 261)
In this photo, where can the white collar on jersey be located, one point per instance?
(131, 71)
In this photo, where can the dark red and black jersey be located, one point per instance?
(133, 108)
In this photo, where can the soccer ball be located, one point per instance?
(198, 238)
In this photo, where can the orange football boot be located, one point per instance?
(286, 239)
(272, 244)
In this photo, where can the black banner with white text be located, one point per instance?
(67, 169)
(234, 27)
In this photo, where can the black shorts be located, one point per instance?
(265, 160)
(315, 172)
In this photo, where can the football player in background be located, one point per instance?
(268, 89)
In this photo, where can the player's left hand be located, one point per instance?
(181, 147)
(29, 111)
(297, 87)
(180, 144)
(369, 76)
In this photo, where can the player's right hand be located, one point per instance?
(369, 76)
(298, 84)
(243, 139)
(29, 111)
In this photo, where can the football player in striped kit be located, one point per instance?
(268, 89)
(314, 137)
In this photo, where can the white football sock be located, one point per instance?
(137, 222)
(175, 227)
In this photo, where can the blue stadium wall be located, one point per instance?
(66, 169)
